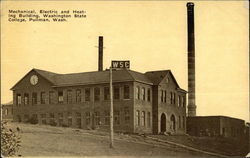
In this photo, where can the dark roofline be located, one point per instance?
(219, 116)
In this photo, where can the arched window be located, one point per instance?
(172, 125)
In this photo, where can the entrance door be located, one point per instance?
(163, 123)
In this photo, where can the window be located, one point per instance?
(60, 119)
(116, 117)
(143, 118)
(137, 90)
(183, 101)
(165, 97)
(52, 117)
(149, 119)
(137, 117)
(60, 97)
(51, 97)
(143, 93)
(78, 95)
(26, 98)
(19, 99)
(174, 98)
(42, 97)
(183, 121)
(126, 114)
(97, 94)
(106, 93)
(97, 118)
(179, 121)
(87, 94)
(171, 97)
(43, 118)
(107, 117)
(69, 119)
(162, 95)
(126, 91)
(69, 96)
(179, 101)
(6, 112)
(149, 94)
(87, 114)
(34, 98)
(116, 92)
(78, 120)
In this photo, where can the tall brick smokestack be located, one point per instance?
(191, 60)
(100, 54)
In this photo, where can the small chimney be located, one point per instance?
(100, 54)
(191, 60)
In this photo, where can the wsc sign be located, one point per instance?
(120, 64)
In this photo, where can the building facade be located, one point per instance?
(215, 126)
(7, 111)
(143, 103)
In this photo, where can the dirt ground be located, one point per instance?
(42, 140)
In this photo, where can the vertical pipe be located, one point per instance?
(191, 60)
(100, 54)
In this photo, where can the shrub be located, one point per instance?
(10, 141)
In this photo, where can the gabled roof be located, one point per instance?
(157, 76)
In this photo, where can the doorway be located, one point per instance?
(163, 123)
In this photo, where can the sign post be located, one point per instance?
(111, 110)
(114, 65)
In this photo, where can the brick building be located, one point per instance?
(215, 126)
(7, 111)
(143, 102)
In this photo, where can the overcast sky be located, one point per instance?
(151, 34)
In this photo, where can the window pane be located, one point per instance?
(78, 96)
(143, 118)
(51, 97)
(60, 97)
(149, 95)
(69, 96)
(143, 94)
(87, 94)
(126, 92)
(97, 94)
(26, 98)
(34, 98)
(116, 92)
(106, 93)
(19, 99)
(42, 97)
(137, 93)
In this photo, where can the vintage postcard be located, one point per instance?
(124, 78)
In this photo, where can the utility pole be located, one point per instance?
(111, 110)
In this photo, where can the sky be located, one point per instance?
(151, 34)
